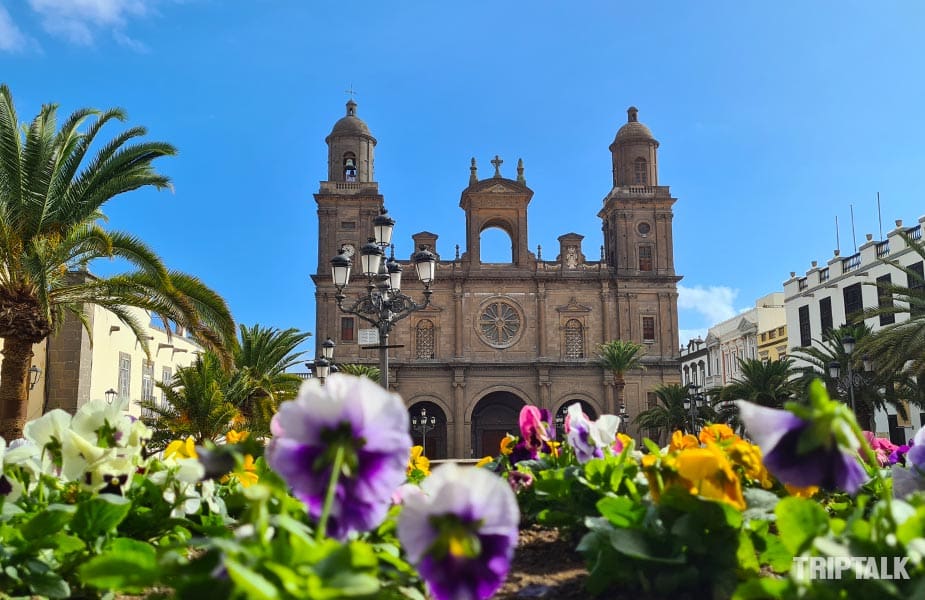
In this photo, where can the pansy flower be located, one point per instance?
(589, 438)
(535, 432)
(349, 420)
(460, 532)
(911, 478)
(418, 461)
(811, 450)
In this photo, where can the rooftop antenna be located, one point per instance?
(837, 241)
(879, 216)
(853, 238)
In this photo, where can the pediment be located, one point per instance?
(747, 326)
(499, 185)
(711, 340)
(574, 307)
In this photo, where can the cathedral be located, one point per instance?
(495, 337)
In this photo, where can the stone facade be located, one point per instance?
(497, 336)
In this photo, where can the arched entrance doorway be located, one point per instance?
(560, 415)
(495, 415)
(428, 428)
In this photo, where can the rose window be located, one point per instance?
(500, 323)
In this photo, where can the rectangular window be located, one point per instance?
(645, 258)
(885, 299)
(648, 329)
(916, 283)
(147, 385)
(348, 225)
(806, 333)
(166, 376)
(825, 313)
(853, 303)
(347, 329)
(125, 375)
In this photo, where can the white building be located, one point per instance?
(73, 371)
(821, 299)
(694, 362)
(737, 338)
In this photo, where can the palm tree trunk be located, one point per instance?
(14, 386)
(619, 383)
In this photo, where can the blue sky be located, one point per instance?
(773, 118)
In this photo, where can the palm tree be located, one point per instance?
(766, 383)
(869, 387)
(618, 357)
(673, 412)
(360, 371)
(262, 357)
(51, 196)
(198, 402)
(900, 347)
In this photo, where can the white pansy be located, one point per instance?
(48, 428)
(95, 414)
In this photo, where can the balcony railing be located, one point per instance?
(883, 249)
(915, 232)
(823, 275)
(851, 263)
(802, 283)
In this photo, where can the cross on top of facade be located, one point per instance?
(350, 91)
(497, 162)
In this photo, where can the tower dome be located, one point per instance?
(350, 124)
(635, 153)
(634, 130)
(350, 149)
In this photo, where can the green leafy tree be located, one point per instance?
(768, 383)
(872, 390)
(262, 358)
(52, 190)
(900, 347)
(360, 371)
(618, 357)
(672, 412)
(199, 401)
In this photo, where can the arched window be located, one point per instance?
(574, 339)
(424, 335)
(640, 171)
(350, 167)
(496, 246)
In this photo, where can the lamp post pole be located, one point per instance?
(694, 399)
(384, 303)
(852, 378)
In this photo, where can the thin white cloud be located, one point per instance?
(78, 21)
(686, 335)
(11, 38)
(714, 302)
(130, 43)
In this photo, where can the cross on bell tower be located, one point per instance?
(497, 162)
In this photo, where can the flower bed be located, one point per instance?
(334, 508)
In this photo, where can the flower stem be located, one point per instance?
(868, 453)
(329, 497)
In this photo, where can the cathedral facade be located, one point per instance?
(498, 336)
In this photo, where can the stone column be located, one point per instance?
(461, 432)
(541, 319)
(458, 320)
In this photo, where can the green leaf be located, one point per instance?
(621, 511)
(763, 589)
(799, 521)
(99, 515)
(746, 554)
(250, 582)
(49, 521)
(127, 565)
(761, 503)
(50, 585)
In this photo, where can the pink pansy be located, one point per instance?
(882, 447)
(535, 432)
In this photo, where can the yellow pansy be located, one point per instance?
(246, 475)
(622, 442)
(236, 437)
(748, 457)
(418, 461)
(681, 440)
(802, 492)
(554, 447)
(507, 444)
(718, 432)
(484, 461)
(181, 449)
(710, 473)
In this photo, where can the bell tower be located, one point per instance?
(637, 214)
(347, 203)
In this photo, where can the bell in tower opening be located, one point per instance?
(350, 167)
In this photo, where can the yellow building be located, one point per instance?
(772, 344)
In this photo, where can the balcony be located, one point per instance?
(851, 263)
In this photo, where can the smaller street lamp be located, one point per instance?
(624, 419)
(34, 373)
(693, 402)
(111, 395)
(322, 366)
(423, 426)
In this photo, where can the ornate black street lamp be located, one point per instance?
(384, 303)
(322, 366)
(423, 426)
(693, 402)
(850, 379)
